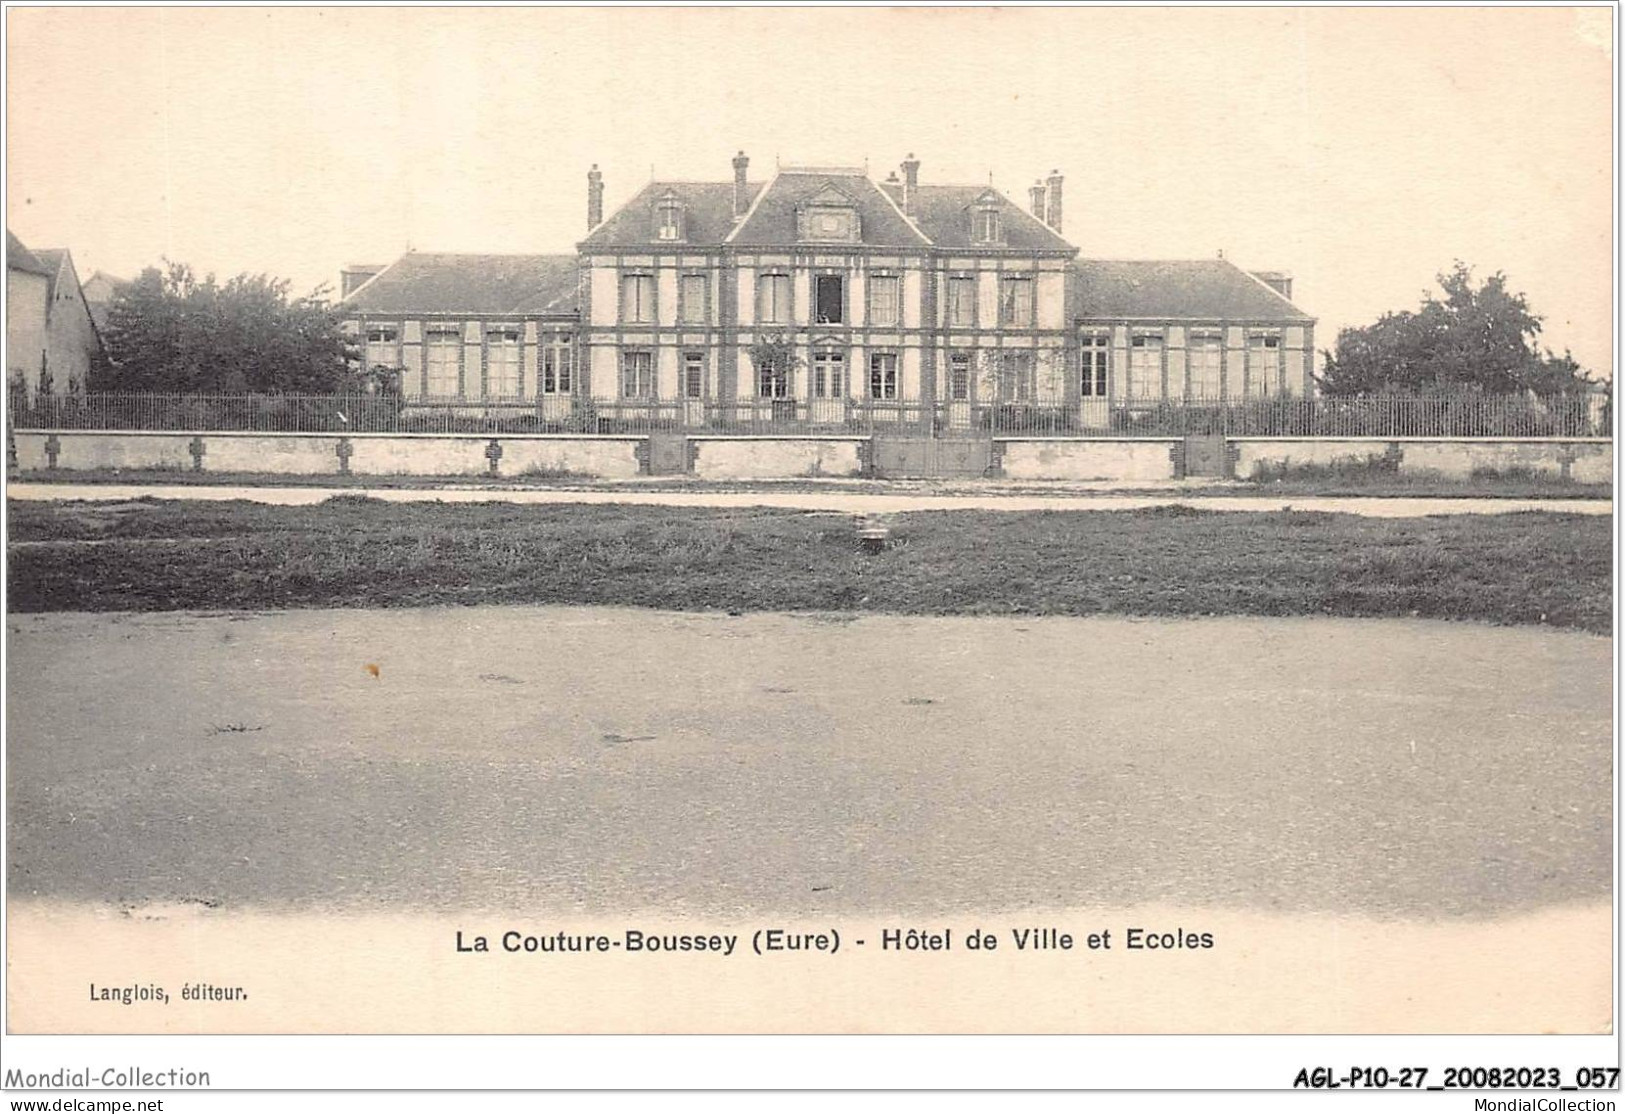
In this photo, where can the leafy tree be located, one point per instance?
(774, 354)
(1476, 337)
(171, 331)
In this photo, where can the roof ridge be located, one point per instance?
(1262, 283)
(487, 254)
(1123, 259)
(374, 278)
(756, 203)
(908, 220)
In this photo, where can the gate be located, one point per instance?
(921, 457)
(1204, 455)
(668, 453)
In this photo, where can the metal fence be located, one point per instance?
(1465, 415)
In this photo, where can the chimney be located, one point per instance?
(595, 198)
(911, 182)
(1036, 190)
(741, 189)
(1052, 202)
(353, 276)
(1278, 281)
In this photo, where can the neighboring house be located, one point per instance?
(51, 340)
(28, 303)
(821, 291)
(100, 290)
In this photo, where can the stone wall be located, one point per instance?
(316, 454)
(1071, 458)
(742, 458)
(716, 457)
(1583, 460)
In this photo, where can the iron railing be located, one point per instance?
(1461, 415)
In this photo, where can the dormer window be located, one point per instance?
(829, 216)
(986, 224)
(669, 217)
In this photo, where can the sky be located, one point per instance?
(1364, 150)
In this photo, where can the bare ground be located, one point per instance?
(574, 761)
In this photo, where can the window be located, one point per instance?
(694, 374)
(882, 375)
(772, 379)
(669, 217)
(693, 294)
(1145, 365)
(502, 362)
(1016, 378)
(885, 300)
(1096, 358)
(829, 299)
(959, 376)
(829, 224)
(984, 227)
(1206, 363)
(774, 299)
(383, 346)
(1016, 301)
(829, 217)
(962, 300)
(637, 373)
(1264, 364)
(638, 299)
(557, 359)
(829, 373)
(444, 344)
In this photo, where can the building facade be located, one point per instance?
(822, 296)
(52, 342)
(487, 332)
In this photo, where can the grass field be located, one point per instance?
(1534, 568)
(1362, 482)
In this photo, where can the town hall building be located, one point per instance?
(821, 297)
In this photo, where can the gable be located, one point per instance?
(830, 194)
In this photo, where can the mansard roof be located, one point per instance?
(438, 282)
(944, 214)
(708, 215)
(1199, 290)
(771, 221)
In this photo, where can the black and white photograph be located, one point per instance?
(810, 522)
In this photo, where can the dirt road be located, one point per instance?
(844, 501)
(578, 760)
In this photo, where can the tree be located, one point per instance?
(170, 331)
(775, 359)
(1481, 337)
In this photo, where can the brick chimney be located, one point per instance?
(1278, 281)
(911, 182)
(741, 188)
(1036, 191)
(1052, 201)
(595, 197)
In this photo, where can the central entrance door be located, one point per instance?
(829, 384)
